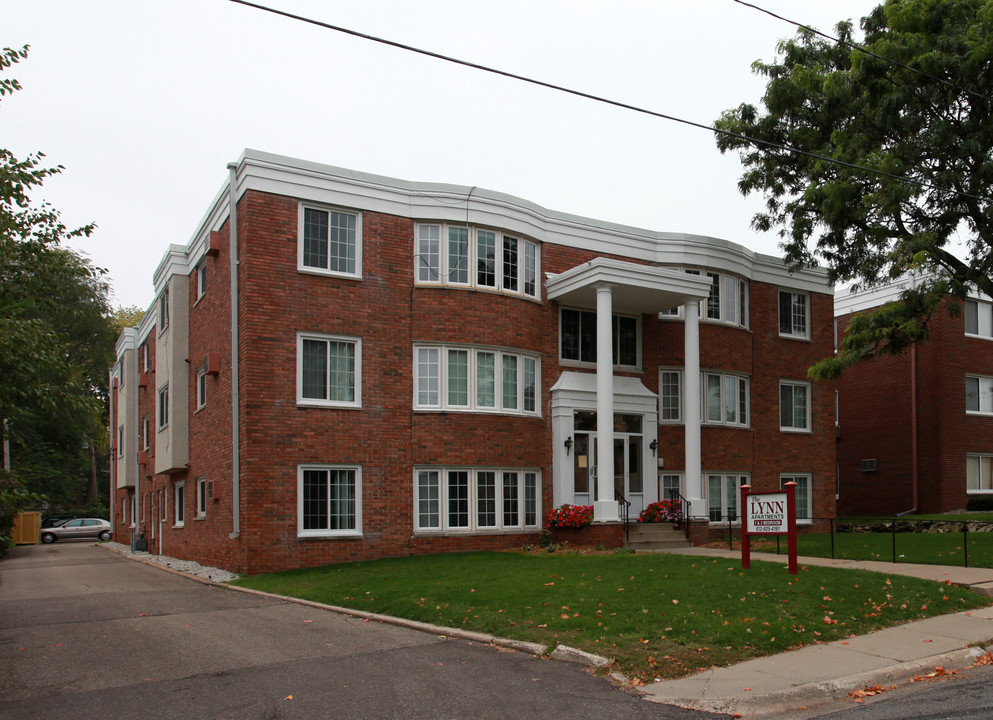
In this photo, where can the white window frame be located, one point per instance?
(433, 259)
(794, 331)
(804, 495)
(432, 366)
(723, 379)
(179, 499)
(983, 473)
(666, 478)
(984, 395)
(516, 492)
(808, 389)
(144, 357)
(201, 279)
(162, 408)
(201, 389)
(328, 532)
(356, 343)
(615, 339)
(356, 272)
(120, 441)
(163, 318)
(202, 496)
(726, 478)
(145, 427)
(980, 313)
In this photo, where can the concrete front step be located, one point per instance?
(656, 536)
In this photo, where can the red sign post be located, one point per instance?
(768, 513)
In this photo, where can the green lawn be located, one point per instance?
(656, 615)
(926, 548)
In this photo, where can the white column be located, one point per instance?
(691, 410)
(605, 508)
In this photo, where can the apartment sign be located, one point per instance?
(769, 513)
(766, 513)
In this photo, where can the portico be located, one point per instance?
(612, 286)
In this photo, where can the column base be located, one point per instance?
(606, 511)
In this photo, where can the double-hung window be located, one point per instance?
(329, 370)
(670, 395)
(794, 314)
(145, 439)
(723, 492)
(979, 318)
(201, 389)
(179, 495)
(163, 406)
(979, 473)
(330, 242)
(475, 379)
(725, 399)
(201, 497)
(804, 496)
(201, 277)
(163, 318)
(329, 500)
(979, 395)
(476, 499)
(578, 337)
(462, 256)
(794, 406)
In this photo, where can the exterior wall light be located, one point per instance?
(568, 444)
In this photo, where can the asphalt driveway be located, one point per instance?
(87, 633)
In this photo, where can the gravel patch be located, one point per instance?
(185, 566)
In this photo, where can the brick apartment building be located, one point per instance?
(916, 429)
(377, 367)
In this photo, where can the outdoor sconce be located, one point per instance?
(568, 444)
(654, 445)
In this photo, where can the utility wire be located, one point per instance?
(867, 51)
(607, 101)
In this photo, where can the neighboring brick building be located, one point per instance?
(916, 429)
(415, 370)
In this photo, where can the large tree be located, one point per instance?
(875, 157)
(56, 336)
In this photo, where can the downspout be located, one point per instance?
(913, 424)
(235, 399)
(110, 434)
(134, 434)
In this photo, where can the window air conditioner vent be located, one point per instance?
(869, 465)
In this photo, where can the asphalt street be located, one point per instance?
(86, 633)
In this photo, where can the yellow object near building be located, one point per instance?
(27, 528)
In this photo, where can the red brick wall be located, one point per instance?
(385, 436)
(876, 408)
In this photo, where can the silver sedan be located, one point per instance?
(77, 528)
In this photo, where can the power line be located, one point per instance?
(606, 101)
(867, 51)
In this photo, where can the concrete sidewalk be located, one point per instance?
(794, 683)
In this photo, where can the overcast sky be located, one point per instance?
(145, 103)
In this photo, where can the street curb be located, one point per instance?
(810, 696)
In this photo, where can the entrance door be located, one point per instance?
(628, 471)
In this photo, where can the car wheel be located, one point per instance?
(47, 538)
(105, 535)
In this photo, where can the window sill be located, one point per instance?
(328, 405)
(796, 431)
(469, 532)
(330, 535)
(304, 270)
(799, 338)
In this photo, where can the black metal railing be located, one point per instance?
(625, 508)
(684, 506)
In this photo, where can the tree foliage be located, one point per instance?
(875, 158)
(56, 339)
